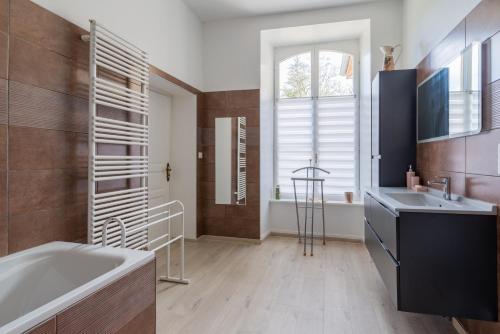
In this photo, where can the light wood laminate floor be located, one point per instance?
(238, 287)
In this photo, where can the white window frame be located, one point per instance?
(350, 47)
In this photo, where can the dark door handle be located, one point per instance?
(168, 171)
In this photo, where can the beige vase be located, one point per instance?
(388, 52)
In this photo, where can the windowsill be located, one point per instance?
(327, 203)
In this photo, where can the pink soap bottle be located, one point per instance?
(409, 174)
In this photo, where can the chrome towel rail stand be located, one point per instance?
(310, 177)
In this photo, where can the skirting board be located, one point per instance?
(221, 238)
(354, 239)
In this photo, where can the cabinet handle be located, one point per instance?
(377, 157)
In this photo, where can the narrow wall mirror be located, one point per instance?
(230, 160)
(449, 101)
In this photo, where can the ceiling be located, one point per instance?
(211, 10)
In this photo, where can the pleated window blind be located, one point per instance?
(321, 127)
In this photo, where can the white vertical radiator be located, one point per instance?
(241, 187)
(113, 57)
(118, 150)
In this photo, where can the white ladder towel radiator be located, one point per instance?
(122, 218)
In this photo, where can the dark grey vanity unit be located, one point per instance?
(434, 256)
(394, 126)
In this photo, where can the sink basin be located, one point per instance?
(402, 199)
(418, 199)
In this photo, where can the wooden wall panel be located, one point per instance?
(37, 25)
(3, 101)
(48, 327)
(32, 189)
(36, 227)
(108, 309)
(40, 67)
(3, 192)
(229, 220)
(491, 106)
(4, 15)
(4, 54)
(479, 149)
(144, 323)
(31, 106)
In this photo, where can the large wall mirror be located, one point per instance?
(230, 161)
(449, 101)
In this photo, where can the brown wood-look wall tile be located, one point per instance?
(251, 114)
(44, 28)
(206, 118)
(457, 180)
(253, 136)
(48, 327)
(443, 53)
(483, 21)
(3, 191)
(32, 148)
(32, 190)
(32, 228)
(207, 190)
(41, 108)
(491, 106)
(214, 100)
(215, 226)
(4, 55)
(211, 210)
(3, 101)
(479, 149)
(108, 309)
(243, 99)
(228, 220)
(444, 155)
(483, 187)
(3, 147)
(34, 65)
(207, 173)
(4, 15)
(4, 228)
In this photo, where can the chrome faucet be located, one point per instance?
(105, 231)
(445, 182)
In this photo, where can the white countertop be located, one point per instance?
(434, 202)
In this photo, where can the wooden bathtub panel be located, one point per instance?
(109, 309)
(144, 323)
(48, 327)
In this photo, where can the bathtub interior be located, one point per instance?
(33, 280)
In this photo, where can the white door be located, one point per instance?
(160, 111)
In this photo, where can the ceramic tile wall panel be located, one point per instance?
(229, 220)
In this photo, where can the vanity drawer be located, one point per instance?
(384, 222)
(387, 267)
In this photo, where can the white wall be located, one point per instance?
(266, 134)
(341, 220)
(365, 111)
(183, 157)
(427, 22)
(166, 29)
(231, 48)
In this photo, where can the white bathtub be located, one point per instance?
(38, 283)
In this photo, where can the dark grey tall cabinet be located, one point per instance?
(394, 143)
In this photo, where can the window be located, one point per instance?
(316, 119)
